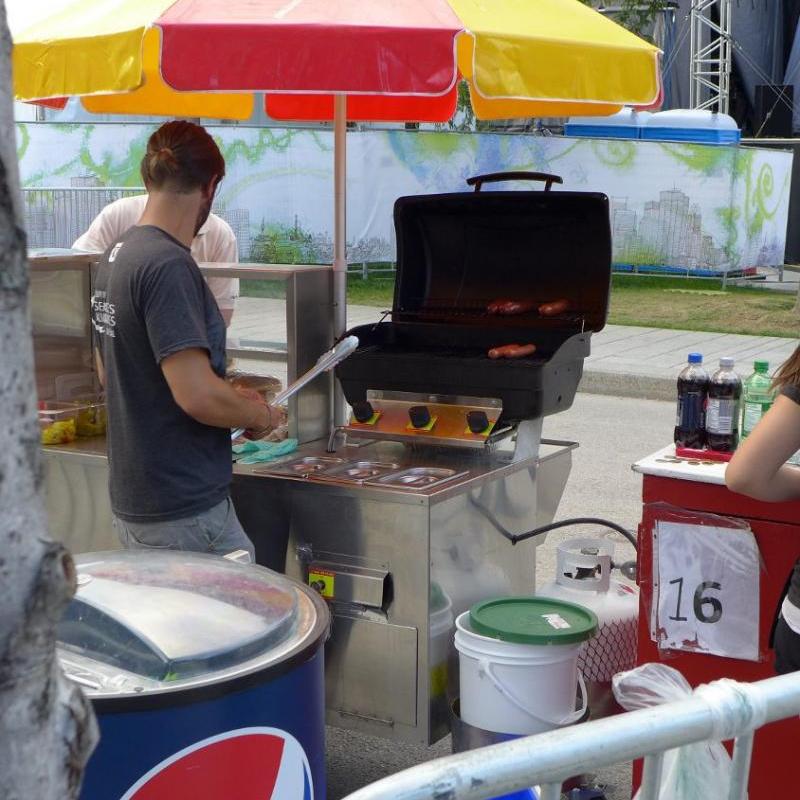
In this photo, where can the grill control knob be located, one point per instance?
(477, 421)
(363, 411)
(420, 416)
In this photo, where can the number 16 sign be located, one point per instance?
(706, 590)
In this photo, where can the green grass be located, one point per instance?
(701, 305)
(648, 301)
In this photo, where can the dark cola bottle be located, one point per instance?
(692, 393)
(722, 408)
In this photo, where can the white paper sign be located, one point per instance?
(705, 590)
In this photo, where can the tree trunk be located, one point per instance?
(47, 729)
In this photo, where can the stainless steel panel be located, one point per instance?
(371, 672)
(452, 536)
(61, 327)
(76, 498)
(309, 330)
(302, 467)
(353, 584)
(415, 478)
(383, 536)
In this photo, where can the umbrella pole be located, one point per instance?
(339, 237)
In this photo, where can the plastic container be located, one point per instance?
(518, 663)
(204, 675)
(625, 124)
(690, 419)
(92, 416)
(266, 385)
(691, 125)
(441, 635)
(757, 397)
(583, 576)
(723, 408)
(74, 384)
(58, 422)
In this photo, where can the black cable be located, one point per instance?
(564, 523)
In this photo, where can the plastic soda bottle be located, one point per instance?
(722, 408)
(757, 396)
(692, 392)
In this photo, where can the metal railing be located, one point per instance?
(730, 710)
(56, 217)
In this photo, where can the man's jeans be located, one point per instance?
(216, 530)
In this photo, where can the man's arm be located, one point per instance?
(210, 400)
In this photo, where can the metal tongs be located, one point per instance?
(325, 363)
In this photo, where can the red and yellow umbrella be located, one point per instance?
(394, 59)
(329, 59)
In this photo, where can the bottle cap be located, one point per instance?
(695, 358)
(726, 362)
(761, 366)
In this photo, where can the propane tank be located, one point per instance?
(583, 576)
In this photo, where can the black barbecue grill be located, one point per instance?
(456, 254)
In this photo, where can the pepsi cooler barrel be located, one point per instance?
(206, 677)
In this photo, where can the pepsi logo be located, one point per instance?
(248, 764)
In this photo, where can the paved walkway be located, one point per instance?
(625, 361)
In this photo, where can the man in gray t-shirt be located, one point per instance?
(150, 301)
(160, 348)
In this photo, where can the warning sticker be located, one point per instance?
(556, 621)
(322, 581)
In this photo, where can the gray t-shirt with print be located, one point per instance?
(149, 302)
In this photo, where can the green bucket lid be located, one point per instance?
(532, 620)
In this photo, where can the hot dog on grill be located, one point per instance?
(510, 307)
(554, 308)
(512, 351)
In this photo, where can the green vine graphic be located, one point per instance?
(705, 159)
(761, 200)
(729, 220)
(620, 154)
(277, 140)
(23, 141)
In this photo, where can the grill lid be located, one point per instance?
(458, 252)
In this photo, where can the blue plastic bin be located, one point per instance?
(691, 125)
(625, 124)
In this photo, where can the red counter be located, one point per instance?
(776, 526)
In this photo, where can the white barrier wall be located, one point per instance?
(685, 207)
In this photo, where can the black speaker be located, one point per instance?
(773, 111)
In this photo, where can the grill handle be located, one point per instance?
(494, 177)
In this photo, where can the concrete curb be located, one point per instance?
(647, 387)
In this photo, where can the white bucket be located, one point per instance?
(441, 634)
(517, 688)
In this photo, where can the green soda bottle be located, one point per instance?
(757, 397)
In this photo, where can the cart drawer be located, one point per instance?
(371, 670)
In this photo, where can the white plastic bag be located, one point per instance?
(694, 772)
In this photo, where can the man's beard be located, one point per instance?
(202, 215)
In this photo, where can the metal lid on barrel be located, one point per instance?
(147, 623)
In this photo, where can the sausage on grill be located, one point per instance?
(512, 351)
(510, 307)
(554, 309)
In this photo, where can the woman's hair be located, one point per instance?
(789, 372)
(181, 157)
